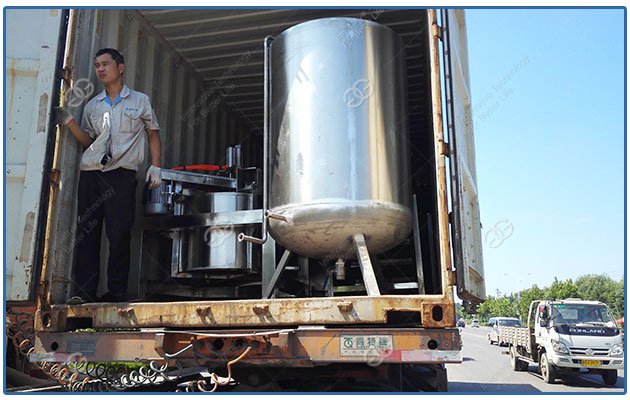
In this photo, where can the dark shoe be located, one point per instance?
(75, 300)
(83, 298)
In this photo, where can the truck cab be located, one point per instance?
(572, 334)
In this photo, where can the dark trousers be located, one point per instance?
(109, 196)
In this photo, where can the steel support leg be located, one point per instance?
(268, 262)
(276, 275)
(367, 270)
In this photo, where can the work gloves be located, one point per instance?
(154, 177)
(62, 116)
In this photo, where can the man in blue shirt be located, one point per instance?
(115, 127)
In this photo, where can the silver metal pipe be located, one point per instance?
(266, 144)
(252, 239)
(279, 217)
(267, 119)
(228, 157)
(237, 156)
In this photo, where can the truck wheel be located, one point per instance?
(425, 378)
(442, 380)
(546, 369)
(490, 340)
(609, 376)
(513, 359)
(517, 365)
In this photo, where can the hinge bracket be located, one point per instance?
(438, 32)
(445, 150)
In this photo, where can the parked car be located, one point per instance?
(475, 323)
(496, 324)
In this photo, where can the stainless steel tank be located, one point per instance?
(338, 131)
(216, 248)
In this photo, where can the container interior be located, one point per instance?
(203, 70)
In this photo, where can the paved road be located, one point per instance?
(486, 368)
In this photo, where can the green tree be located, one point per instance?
(506, 307)
(497, 307)
(484, 309)
(602, 288)
(618, 304)
(561, 290)
(525, 299)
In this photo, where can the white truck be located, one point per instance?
(565, 336)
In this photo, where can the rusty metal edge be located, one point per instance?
(301, 347)
(252, 312)
(448, 277)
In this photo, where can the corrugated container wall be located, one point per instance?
(194, 129)
(32, 43)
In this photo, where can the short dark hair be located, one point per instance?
(116, 56)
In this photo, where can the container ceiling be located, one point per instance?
(228, 45)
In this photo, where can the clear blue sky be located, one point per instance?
(550, 152)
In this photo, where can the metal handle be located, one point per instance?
(266, 216)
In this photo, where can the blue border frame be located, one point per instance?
(336, 7)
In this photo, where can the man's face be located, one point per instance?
(107, 71)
